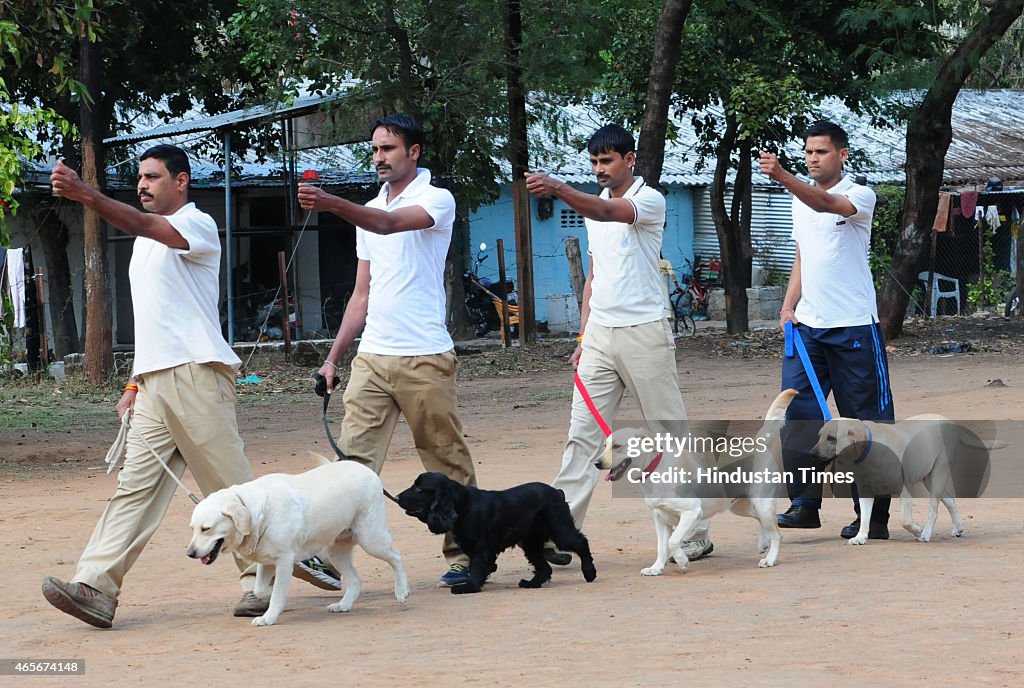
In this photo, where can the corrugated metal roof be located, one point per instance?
(248, 115)
(988, 140)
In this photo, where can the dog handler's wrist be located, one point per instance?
(331, 363)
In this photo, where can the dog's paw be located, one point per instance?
(652, 571)
(341, 606)
(860, 539)
(766, 563)
(589, 573)
(912, 528)
(265, 620)
(959, 531)
(530, 583)
(402, 595)
(464, 589)
(924, 537)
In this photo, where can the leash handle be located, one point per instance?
(321, 389)
(795, 340)
(590, 405)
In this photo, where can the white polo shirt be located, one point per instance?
(406, 311)
(175, 294)
(835, 277)
(627, 285)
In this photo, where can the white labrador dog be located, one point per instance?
(279, 519)
(677, 513)
(892, 458)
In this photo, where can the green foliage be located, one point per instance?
(21, 125)
(885, 230)
(442, 61)
(991, 287)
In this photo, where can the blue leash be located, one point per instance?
(794, 340)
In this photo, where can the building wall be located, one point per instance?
(550, 265)
(771, 227)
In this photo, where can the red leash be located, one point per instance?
(590, 405)
(601, 422)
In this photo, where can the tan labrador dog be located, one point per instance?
(679, 501)
(279, 519)
(887, 458)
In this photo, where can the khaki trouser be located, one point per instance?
(187, 414)
(639, 358)
(422, 388)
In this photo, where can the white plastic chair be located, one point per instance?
(938, 293)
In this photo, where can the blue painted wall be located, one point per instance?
(550, 266)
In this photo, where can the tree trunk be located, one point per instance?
(929, 133)
(53, 234)
(519, 156)
(456, 315)
(733, 228)
(99, 327)
(653, 128)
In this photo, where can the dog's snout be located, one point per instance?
(192, 553)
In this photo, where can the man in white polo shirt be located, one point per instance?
(626, 342)
(405, 364)
(182, 390)
(830, 300)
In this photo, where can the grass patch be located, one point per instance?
(549, 394)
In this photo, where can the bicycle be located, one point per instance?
(692, 299)
(681, 318)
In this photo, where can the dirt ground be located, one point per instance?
(892, 613)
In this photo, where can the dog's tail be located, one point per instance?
(777, 411)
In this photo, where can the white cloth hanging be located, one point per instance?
(992, 217)
(16, 282)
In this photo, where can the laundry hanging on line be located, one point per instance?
(16, 284)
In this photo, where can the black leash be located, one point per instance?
(321, 391)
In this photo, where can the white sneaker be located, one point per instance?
(696, 549)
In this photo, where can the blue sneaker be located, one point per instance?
(457, 574)
(319, 573)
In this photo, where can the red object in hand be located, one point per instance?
(310, 176)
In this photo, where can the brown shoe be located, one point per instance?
(250, 605)
(80, 601)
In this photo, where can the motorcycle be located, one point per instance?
(267, 324)
(481, 295)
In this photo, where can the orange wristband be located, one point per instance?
(131, 387)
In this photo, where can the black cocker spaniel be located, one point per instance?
(487, 522)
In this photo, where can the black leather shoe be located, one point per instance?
(876, 531)
(799, 517)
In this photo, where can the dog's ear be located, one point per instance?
(442, 515)
(856, 434)
(318, 459)
(239, 515)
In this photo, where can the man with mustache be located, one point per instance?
(405, 364)
(626, 341)
(831, 302)
(181, 393)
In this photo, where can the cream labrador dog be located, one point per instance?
(279, 519)
(679, 499)
(893, 458)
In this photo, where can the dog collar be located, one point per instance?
(867, 448)
(653, 464)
